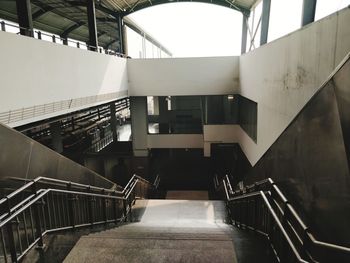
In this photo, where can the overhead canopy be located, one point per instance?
(68, 18)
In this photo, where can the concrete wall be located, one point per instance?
(283, 75)
(220, 134)
(175, 141)
(183, 76)
(55, 77)
(22, 157)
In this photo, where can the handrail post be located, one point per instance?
(104, 207)
(37, 219)
(125, 209)
(3, 26)
(71, 209)
(11, 238)
(91, 211)
(115, 208)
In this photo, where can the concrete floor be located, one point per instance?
(166, 231)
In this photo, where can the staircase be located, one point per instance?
(169, 231)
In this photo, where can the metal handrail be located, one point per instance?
(50, 210)
(264, 199)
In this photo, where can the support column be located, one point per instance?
(24, 15)
(265, 20)
(113, 121)
(125, 40)
(55, 129)
(309, 9)
(244, 33)
(139, 126)
(93, 40)
(120, 34)
(155, 105)
(163, 115)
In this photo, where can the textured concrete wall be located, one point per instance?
(283, 75)
(310, 164)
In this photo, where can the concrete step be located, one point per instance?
(165, 231)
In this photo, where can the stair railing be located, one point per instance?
(49, 210)
(263, 208)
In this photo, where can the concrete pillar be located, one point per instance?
(113, 121)
(139, 125)
(57, 144)
(309, 9)
(155, 105)
(24, 15)
(265, 20)
(163, 115)
(244, 33)
(125, 40)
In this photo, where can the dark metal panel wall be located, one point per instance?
(25, 158)
(309, 163)
(341, 82)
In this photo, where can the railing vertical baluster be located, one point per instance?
(25, 227)
(71, 210)
(115, 209)
(42, 203)
(125, 209)
(63, 214)
(91, 212)
(10, 235)
(48, 211)
(37, 220)
(31, 223)
(3, 26)
(3, 245)
(17, 222)
(53, 203)
(11, 240)
(104, 207)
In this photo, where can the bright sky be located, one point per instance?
(196, 29)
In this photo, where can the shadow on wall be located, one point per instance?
(309, 161)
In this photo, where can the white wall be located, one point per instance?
(283, 75)
(181, 141)
(35, 72)
(183, 76)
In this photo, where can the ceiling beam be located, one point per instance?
(99, 7)
(41, 12)
(69, 30)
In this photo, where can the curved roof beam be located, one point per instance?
(41, 12)
(69, 30)
(226, 3)
(99, 7)
(110, 43)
